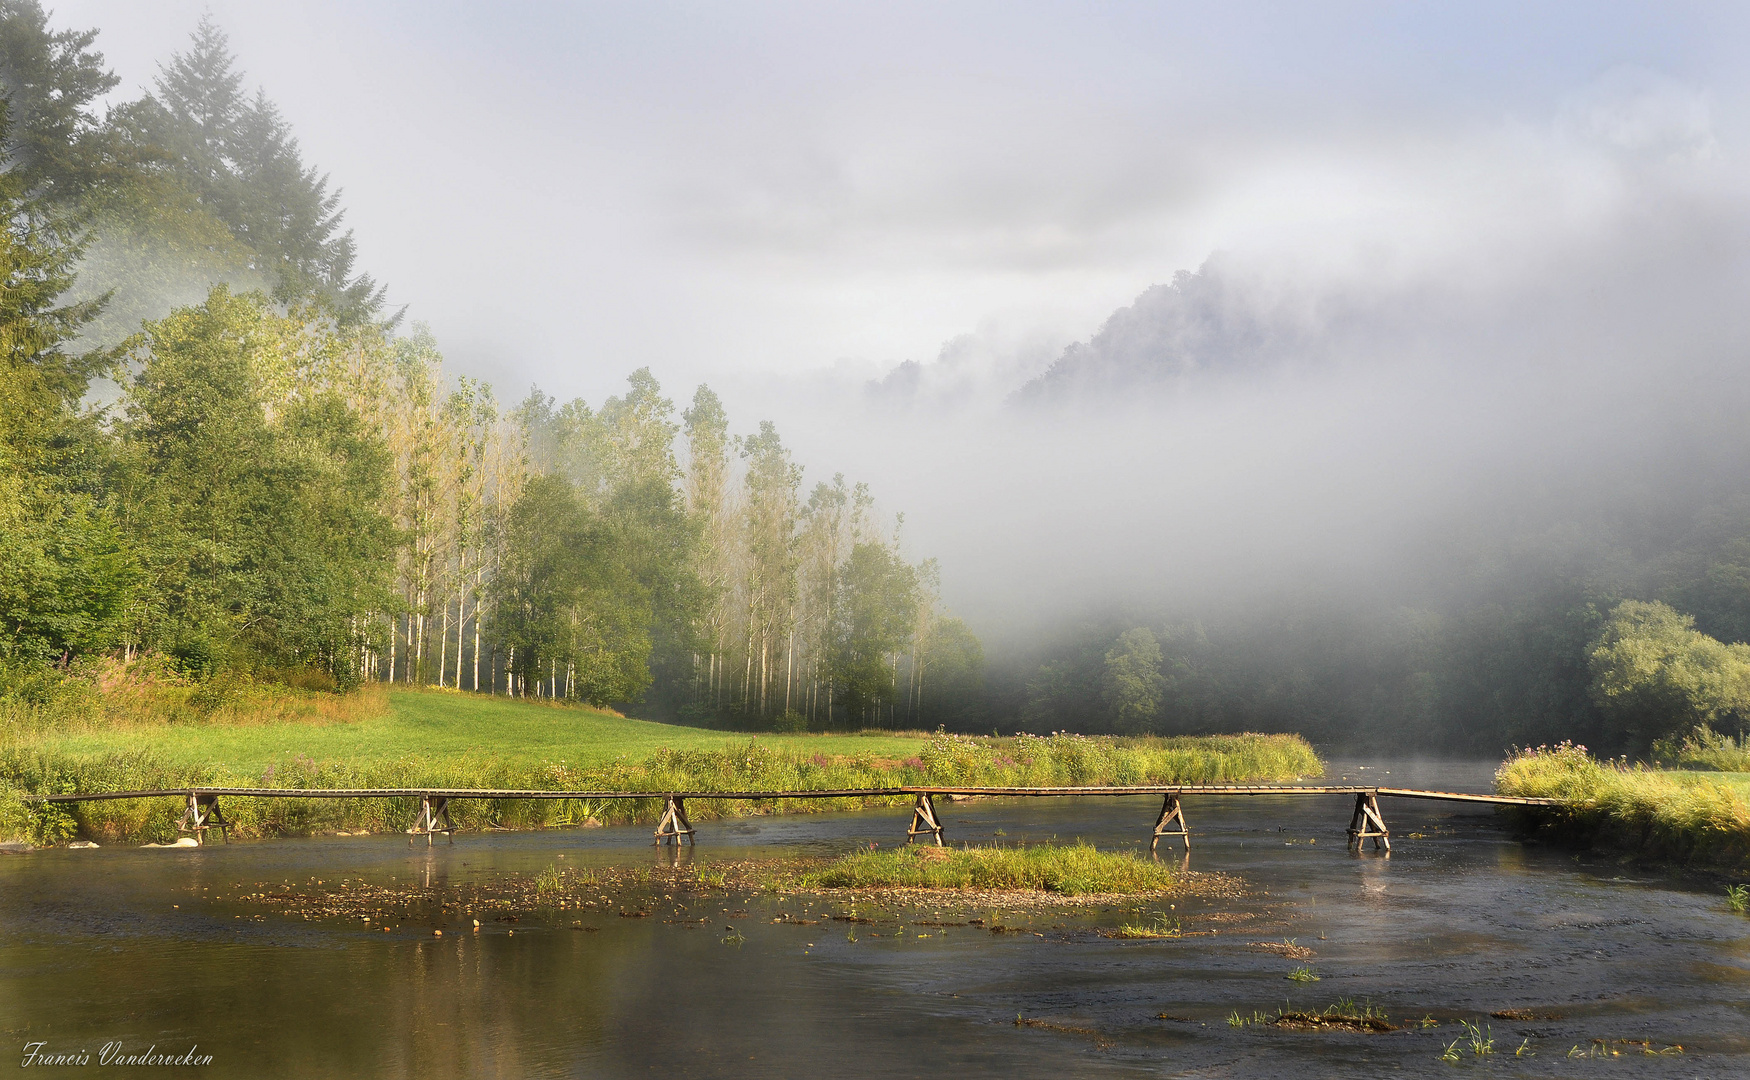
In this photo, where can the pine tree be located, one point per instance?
(64, 576)
(239, 156)
(58, 146)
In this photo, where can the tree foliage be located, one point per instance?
(286, 485)
(1655, 675)
(1132, 681)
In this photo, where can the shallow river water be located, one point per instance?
(152, 948)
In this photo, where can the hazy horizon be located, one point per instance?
(1438, 263)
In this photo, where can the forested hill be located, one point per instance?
(291, 489)
(1550, 491)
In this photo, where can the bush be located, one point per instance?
(1705, 749)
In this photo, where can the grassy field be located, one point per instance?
(413, 739)
(438, 724)
(1736, 781)
(1700, 818)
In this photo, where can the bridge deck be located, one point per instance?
(835, 793)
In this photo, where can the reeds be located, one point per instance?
(1162, 925)
(1672, 816)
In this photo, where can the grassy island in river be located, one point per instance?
(1687, 817)
(438, 739)
(1067, 870)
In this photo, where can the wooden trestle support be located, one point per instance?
(434, 817)
(1366, 823)
(1171, 811)
(203, 814)
(924, 820)
(674, 823)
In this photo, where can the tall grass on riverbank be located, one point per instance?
(1071, 870)
(136, 758)
(107, 696)
(1679, 817)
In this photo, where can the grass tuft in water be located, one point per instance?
(1161, 926)
(1341, 1015)
(1738, 898)
(1480, 1038)
(1303, 974)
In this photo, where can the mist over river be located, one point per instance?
(157, 949)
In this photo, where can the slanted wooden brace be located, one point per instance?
(674, 823)
(1367, 823)
(1171, 811)
(203, 814)
(924, 820)
(434, 817)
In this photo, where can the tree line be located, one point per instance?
(285, 483)
(1572, 660)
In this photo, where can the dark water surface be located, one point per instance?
(149, 947)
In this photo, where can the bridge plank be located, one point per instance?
(834, 793)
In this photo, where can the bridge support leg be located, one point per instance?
(1171, 811)
(434, 817)
(202, 814)
(924, 820)
(1366, 823)
(674, 823)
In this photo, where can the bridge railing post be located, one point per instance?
(1171, 811)
(1367, 823)
(924, 819)
(674, 823)
(202, 813)
(434, 817)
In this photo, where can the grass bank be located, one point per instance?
(408, 738)
(1684, 817)
(1073, 870)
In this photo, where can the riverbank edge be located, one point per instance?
(1617, 808)
(944, 759)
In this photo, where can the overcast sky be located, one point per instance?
(1531, 220)
(567, 191)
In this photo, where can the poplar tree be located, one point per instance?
(770, 508)
(708, 501)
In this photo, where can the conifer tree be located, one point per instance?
(239, 156)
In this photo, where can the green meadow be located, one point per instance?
(438, 724)
(437, 739)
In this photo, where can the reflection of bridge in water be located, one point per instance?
(1366, 823)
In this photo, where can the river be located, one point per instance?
(142, 948)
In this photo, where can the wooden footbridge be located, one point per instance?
(1366, 823)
